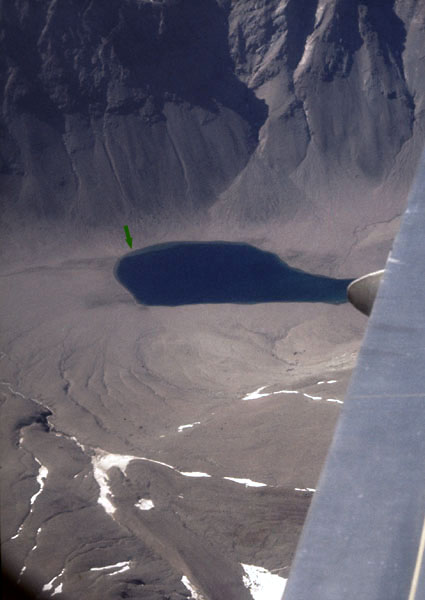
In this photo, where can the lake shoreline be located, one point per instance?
(218, 272)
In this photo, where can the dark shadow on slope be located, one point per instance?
(24, 91)
(300, 16)
(390, 30)
(342, 40)
(124, 57)
(353, 20)
(11, 590)
(180, 52)
(181, 273)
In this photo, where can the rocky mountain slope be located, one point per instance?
(224, 115)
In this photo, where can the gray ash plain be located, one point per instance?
(150, 400)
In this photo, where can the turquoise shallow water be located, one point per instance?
(220, 272)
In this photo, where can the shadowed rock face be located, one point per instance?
(231, 112)
(123, 57)
(130, 91)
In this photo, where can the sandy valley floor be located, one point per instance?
(169, 442)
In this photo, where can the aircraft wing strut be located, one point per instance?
(365, 532)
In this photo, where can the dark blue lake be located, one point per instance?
(216, 272)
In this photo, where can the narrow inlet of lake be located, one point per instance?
(180, 273)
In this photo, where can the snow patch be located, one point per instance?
(181, 427)
(246, 482)
(102, 462)
(42, 474)
(157, 462)
(334, 400)
(144, 504)
(256, 394)
(195, 594)
(107, 567)
(262, 584)
(312, 397)
(125, 568)
(48, 586)
(305, 489)
(121, 566)
(18, 532)
(79, 444)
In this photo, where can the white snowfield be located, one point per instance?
(263, 584)
(194, 593)
(102, 462)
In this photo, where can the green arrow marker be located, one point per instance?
(128, 237)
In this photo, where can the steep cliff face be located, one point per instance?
(191, 111)
(123, 108)
(341, 106)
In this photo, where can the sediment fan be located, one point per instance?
(365, 532)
